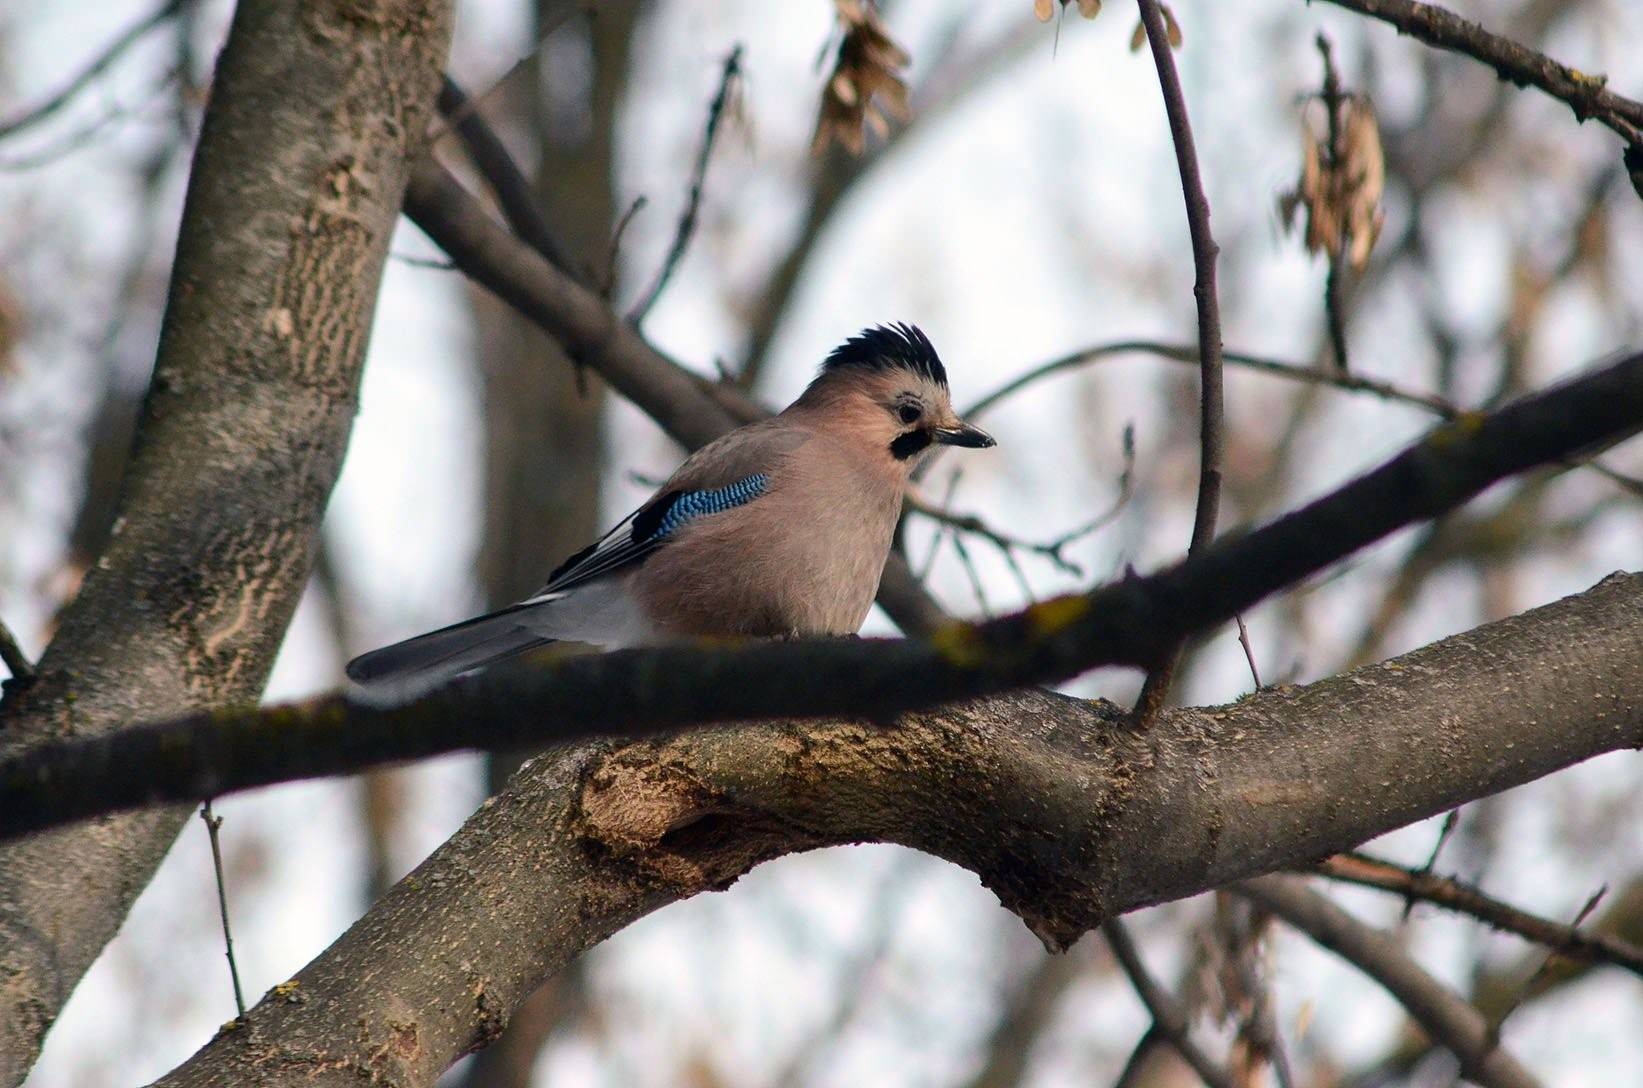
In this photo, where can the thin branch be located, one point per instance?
(1168, 1018)
(1183, 353)
(1005, 542)
(1249, 652)
(698, 180)
(83, 137)
(546, 26)
(1136, 621)
(1532, 984)
(1028, 1011)
(1211, 439)
(970, 572)
(1337, 256)
(104, 60)
(1567, 941)
(433, 264)
(1137, 1072)
(514, 192)
(1441, 1012)
(1053, 550)
(15, 660)
(213, 826)
(607, 282)
(1445, 833)
(1587, 95)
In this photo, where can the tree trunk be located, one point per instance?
(316, 110)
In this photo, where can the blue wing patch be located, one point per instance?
(694, 504)
(648, 528)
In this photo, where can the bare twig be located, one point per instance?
(213, 825)
(1183, 353)
(1137, 1071)
(1567, 941)
(1167, 1017)
(1249, 652)
(84, 136)
(923, 572)
(1587, 95)
(698, 179)
(1441, 1012)
(887, 909)
(1204, 250)
(411, 260)
(547, 26)
(607, 284)
(1337, 256)
(1004, 542)
(970, 572)
(15, 660)
(1053, 550)
(1450, 822)
(1532, 984)
(92, 71)
(514, 192)
(1027, 1013)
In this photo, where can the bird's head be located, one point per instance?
(888, 390)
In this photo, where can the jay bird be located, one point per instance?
(780, 528)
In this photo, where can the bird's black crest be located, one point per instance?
(888, 347)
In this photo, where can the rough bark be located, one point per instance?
(297, 182)
(1063, 813)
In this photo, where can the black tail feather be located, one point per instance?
(429, 660)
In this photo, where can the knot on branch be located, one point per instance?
(657, 812)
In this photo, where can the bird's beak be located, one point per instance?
(964, 435)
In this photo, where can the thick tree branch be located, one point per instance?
(1444, 1014)
(295, 189)
(1065, 813)
(1587, 95)
(1136, 622)
(691, 409)
(1211, 421)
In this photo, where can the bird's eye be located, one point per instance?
(909, 413)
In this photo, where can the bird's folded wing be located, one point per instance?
(647, 529)
(726, 473)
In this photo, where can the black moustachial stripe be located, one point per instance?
(912, 442)
(889, 347)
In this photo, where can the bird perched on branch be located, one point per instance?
(780, 528)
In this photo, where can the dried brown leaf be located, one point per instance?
(1089, 9)
(1341, 193)
(1043, 9)
(1172, 29)
(865, 82)
(1139, 37)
